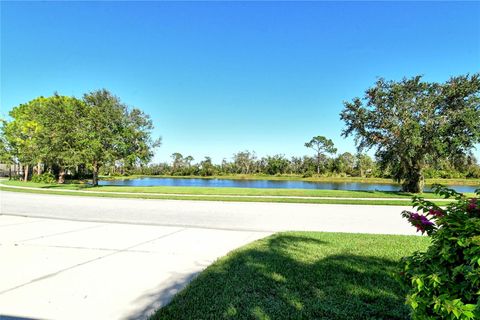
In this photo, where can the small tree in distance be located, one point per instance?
(321, 145)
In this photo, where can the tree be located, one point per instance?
(276, 164)
(61, 116)
(21, 135)
(177, 161)
(321, 145)
(45, 130)
(345, 163)
(207, 167)
(6, 155)
(111, 132)
(365, 164)
(296, 165)
(244, 161)
(137, 136)
(65, 133)
(188, 160)
(410, 120)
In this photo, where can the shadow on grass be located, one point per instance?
(284, 278)
(65, 186)
(396, 193)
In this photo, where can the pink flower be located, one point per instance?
(421, 222)
(436, 213)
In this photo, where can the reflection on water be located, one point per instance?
(273, 184)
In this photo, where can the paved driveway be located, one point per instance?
(56, 269)
(101, 258)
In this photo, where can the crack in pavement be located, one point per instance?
(88, 261)
(86, 248)
(19, 223)
(61, 233)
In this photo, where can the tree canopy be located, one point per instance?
(321, 145)
(65, 132)
(411, 122)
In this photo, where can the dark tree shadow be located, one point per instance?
(151, 302)
(267, 283)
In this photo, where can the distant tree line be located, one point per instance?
(345, 164)
(61, 135)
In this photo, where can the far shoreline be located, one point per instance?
(428, 182)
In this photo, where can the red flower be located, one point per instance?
(471, 206)
(436, 213)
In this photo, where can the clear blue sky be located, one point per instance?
(221, 77)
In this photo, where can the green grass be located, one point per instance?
(216, 198)
(226, 191)
(301, 275)
(218, 194)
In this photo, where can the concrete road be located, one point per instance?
(249, 216)
(70, 257)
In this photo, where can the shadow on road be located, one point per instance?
(157, 299)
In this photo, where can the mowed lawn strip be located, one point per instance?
(215, 198)
(224, 191)
(301, 275)
(100, 193)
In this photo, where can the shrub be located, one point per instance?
(307, 174)
(46, 177)
(444, 281)
(474, 172)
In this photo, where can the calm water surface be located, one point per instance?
(273, 184)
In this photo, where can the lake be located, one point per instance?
(273, 184)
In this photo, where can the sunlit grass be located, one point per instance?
(224, 190)
(301, 275)
(222, 194)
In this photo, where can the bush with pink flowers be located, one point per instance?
(444, 281)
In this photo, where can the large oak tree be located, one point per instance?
(412, 120)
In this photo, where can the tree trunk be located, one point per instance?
(318, 164)
(414, 183)
(61, 176)
(25, 172)
(38, 169)
(95, 174)
(15, 170)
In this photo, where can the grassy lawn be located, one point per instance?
(225, 191)
(220, 194)
(215, 198)
(301, 275)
